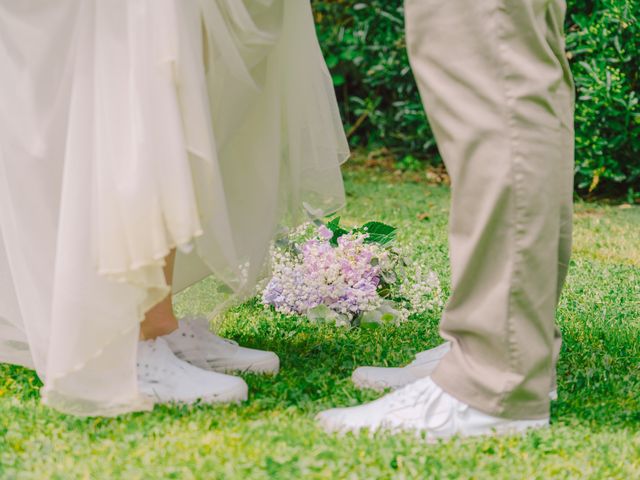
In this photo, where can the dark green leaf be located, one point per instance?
(378, 232)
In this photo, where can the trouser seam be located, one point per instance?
(517, 230)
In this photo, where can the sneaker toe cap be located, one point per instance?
(381, 378)
(254, 361)
(334, 420)
(224, 388)
(344, 420)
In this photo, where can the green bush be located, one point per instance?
(365, 50)
(364, 45)
(603, 40)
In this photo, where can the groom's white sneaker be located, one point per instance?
(381, 378)
(193, 342)
(421, 407)
(164, 378)
(424, 364)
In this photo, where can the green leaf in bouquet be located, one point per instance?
(388, 318)
(322, 314)
(370, 326)
(334, 223)
(283, 243)
(389, 312)
(378, 232)
(373, 317)
(389, 277)
(385, 292)
(338, 231)
(343, 321)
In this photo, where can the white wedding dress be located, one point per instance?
(127, 128)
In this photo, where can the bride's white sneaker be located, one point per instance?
(424, 364)
(421, 407)
(193, 342)
(381, 378)
(164, 378)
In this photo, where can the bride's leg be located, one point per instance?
(192, 341)
(161, 320)
(164, 377)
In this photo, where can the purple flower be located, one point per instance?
(343, 278)
(325, 233)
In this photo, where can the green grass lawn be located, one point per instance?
(595, 422)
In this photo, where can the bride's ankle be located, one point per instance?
(153, 328)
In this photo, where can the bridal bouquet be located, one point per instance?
(350, 277)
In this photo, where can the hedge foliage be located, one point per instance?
(364, 46)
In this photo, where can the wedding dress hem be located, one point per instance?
(135, 127)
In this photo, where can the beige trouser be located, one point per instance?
(499, 96)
